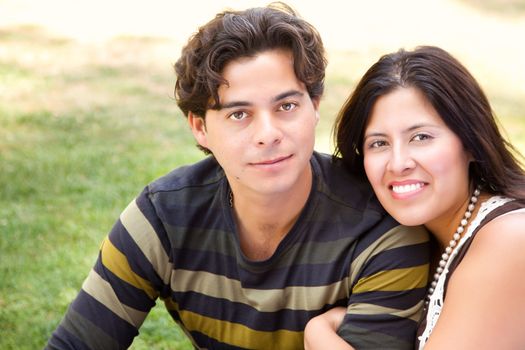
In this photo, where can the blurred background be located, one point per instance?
(87, 118)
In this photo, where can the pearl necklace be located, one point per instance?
(453, 242)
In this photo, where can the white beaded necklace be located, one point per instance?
(454, 241)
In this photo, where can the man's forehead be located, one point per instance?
(265, 77)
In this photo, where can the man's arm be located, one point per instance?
(120, 289)
(389, 279)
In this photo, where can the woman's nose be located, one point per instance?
(401, 161)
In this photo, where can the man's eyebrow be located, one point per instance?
(232, 104)
(287, 94)
(235, 104)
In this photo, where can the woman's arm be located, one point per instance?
(320, 332)
(485, 298)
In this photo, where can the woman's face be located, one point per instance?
(415, 163)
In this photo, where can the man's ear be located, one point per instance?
(198, 128)
(316, 101)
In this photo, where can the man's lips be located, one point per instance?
(272, 161)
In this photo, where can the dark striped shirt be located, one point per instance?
(177, 240)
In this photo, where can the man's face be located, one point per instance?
(264, 130)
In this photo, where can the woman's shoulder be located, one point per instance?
(496, 251)
(494, 255)
(488, 282)
(504, 228)
(501, 233)
(498, 222)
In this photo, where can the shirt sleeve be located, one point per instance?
(121, 288)
(389, 275)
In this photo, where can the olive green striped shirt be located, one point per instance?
(177, 241)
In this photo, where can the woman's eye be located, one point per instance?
(377, 144)
(239, 115)
(288, 106)
(421, 137)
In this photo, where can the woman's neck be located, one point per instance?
(444, 227)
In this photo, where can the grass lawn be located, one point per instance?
(83, 127)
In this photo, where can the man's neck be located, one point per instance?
(263, 221)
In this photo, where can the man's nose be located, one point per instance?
(267, 129)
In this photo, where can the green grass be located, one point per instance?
(83, 127)
(78, 140)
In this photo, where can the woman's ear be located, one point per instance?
(471, 158)
(198, 128)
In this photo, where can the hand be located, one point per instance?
(320, 331)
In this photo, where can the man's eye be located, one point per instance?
(288, 106)
(238, 115)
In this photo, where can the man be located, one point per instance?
(247, 245)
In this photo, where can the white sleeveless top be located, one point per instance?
(436, 299)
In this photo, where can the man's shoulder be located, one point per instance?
(186, 191)
(337, 184)
(203, 173)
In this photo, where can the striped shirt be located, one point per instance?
(177, 240)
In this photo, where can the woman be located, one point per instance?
(422, 131)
